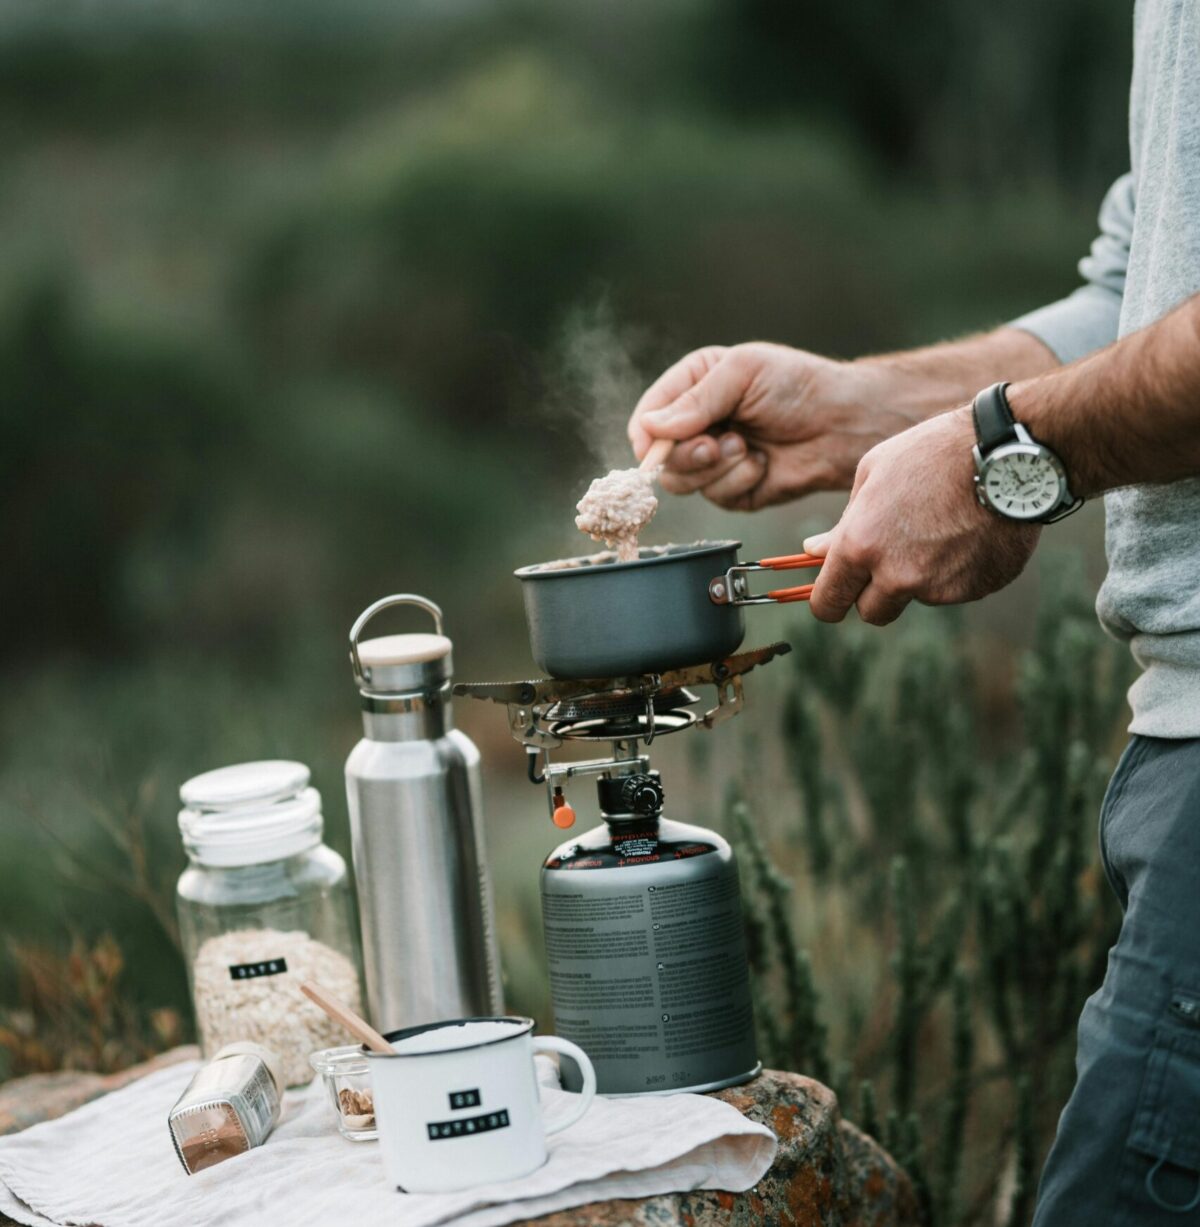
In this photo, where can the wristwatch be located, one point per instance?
(1015, 475)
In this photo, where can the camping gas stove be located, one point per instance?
(642, 914)
(547, 714)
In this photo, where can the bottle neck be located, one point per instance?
(407, 717)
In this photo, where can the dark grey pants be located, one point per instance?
(1127, 1151)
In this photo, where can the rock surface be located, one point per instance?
(27, 1101)
(827, 1173)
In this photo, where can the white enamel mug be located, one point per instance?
(457, 1104)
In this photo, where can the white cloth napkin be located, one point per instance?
(111, 1163)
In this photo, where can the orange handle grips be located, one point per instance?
(791, 562)
(785, 595)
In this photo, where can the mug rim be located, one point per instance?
(522, 1026)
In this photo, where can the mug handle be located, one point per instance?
(551, 1043)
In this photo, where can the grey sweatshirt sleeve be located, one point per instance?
(1089, 318)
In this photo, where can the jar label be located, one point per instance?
(251, 971)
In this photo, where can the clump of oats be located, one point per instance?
(616, 508)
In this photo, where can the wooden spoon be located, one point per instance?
(346, 1017)
(657, 456)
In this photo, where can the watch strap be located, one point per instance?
(993, 418)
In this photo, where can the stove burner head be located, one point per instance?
(545, 712)
(620, 714)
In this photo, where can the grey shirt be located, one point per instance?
(1145, 261)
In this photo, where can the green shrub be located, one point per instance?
(999, 919)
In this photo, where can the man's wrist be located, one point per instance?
(923, 383)
(1019, 473)
(1033, 403)
(890, 386)
(959, 432)
(863, 396)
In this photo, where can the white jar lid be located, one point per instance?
(244, 784)
(254, 833)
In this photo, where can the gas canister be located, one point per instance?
(646, 948)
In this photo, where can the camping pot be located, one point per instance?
(674, 605)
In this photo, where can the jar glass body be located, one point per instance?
(347, 1075)
(251, 934)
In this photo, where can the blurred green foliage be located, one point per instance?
(271, 281)
(993, 919)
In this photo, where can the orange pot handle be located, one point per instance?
(791, 562)
(784, 595)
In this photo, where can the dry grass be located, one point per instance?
(72, 1012)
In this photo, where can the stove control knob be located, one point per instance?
(563, 816)
(642, 794)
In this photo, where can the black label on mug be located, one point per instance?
(465, 1126)
(251, 971)
(463, 1099)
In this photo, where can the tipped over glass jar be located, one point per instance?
(347, 1076)
(228, 1108)
(263, 905)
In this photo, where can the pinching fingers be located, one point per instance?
(731, 490)
(674, 482)
(665, 390)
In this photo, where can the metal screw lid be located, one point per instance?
(400, 664)
(247, 1048)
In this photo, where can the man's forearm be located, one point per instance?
(919, 383)
(1125, 415)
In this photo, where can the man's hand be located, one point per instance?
(759, 424)
(914, 531)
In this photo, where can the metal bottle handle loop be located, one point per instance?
(386, 602)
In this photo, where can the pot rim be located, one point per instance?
(541, 570)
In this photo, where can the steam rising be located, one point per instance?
(597, 383)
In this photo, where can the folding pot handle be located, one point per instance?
(733, 588)
(787, 562)
(782, 596)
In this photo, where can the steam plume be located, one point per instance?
(597, 383)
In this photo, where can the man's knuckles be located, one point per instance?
(900, 581)
(854, 551)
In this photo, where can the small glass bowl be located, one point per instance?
(347, 1077)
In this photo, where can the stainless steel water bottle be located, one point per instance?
(412, 783)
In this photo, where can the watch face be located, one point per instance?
(1022, 482)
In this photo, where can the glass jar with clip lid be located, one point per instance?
(263, 905)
